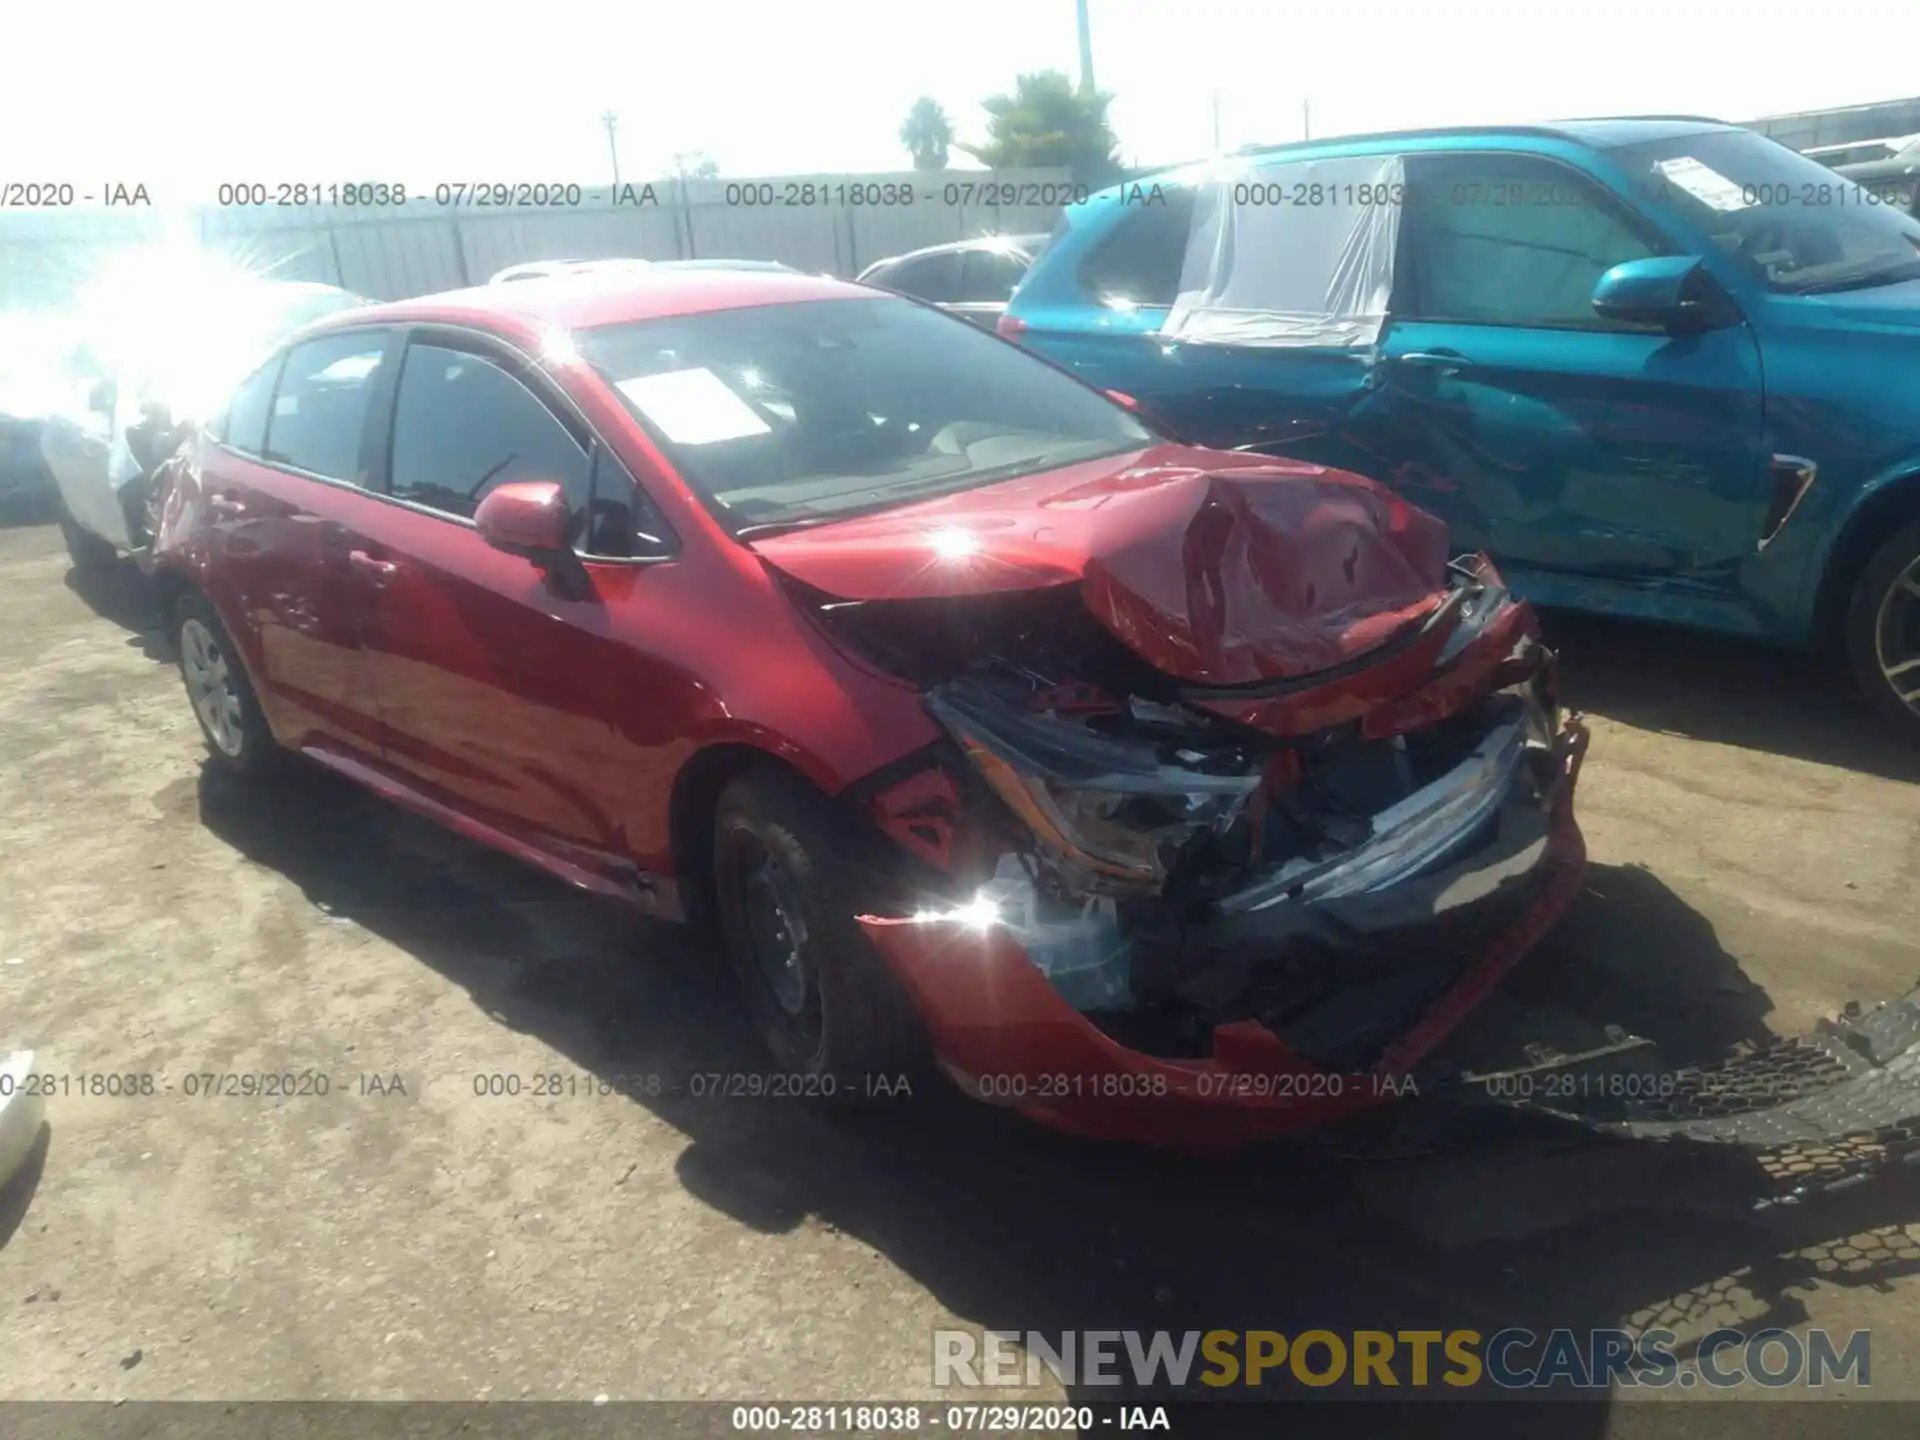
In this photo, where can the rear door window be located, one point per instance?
(464, 425)
(319, 413)
(927, 277)
(1139, 264)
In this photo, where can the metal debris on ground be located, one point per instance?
(1814, 1112)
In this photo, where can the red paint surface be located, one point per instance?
(1403, 692)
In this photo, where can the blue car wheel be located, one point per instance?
(1883, 629)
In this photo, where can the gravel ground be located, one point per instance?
(1754, 839)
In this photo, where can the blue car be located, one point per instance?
(1663, 368)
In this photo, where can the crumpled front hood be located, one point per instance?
(1215, 567)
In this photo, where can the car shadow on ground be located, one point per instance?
(1481, 1223)
(29, 506)
(1727, 691)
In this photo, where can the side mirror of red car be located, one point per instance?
(530, 518)
(526, 517)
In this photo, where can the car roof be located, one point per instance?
(533, 269)
(977, 242)
(1599, 132)
(305, 287)
(717, 263)
(585, 299)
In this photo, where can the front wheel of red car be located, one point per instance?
(231, 721)
(1883, 630)
(820, 995)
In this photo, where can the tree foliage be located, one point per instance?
(927, 134)
(693, 164)
(1045, 121)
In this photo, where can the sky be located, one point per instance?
(184, 96)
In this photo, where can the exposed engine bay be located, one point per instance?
(1175, 857)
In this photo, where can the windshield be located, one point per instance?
(790, 414)
(1796, 224)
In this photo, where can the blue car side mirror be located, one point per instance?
(1675, 292)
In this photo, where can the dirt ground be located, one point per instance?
(1754, 840)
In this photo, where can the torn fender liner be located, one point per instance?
(1213, 572)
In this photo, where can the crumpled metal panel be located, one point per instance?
(1255, 580)
(1216, 569)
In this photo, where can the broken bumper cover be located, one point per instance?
(1798, 1116)
(1006, 1035)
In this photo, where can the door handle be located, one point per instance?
(226, 506)
(381, 571)
(1441, 360)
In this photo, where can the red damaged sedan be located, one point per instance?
(1158, 792)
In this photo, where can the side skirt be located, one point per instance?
(600, 874)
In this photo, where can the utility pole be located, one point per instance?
(612, 122)
(1306, 119)
(1086, 49)
(686, 203)
(1216, 122)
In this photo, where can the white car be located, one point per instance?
(172, 359)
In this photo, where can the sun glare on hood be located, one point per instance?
(950, 542)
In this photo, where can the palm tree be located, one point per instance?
(927, 133)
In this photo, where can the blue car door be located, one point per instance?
(1556, 440)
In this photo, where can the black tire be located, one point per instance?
(837, 1016)
(243, 746)
(89, 553)
(1883, 630)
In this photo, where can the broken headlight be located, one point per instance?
(1117, 806)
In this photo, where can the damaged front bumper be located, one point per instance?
(1323, 983)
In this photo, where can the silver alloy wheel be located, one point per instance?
(1896, 636)
(210, 687)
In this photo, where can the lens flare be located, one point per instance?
(953, 543)
(979, 914)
